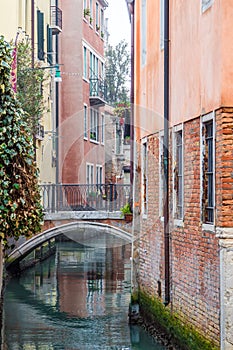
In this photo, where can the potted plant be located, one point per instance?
(87, 12)
(127, 212)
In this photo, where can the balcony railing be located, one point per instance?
(97, 92)
(55, 19)
(72, 197)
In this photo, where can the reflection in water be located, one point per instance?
(77, 299)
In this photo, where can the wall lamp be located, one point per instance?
(57, 77)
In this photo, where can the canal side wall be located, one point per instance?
(201, 258)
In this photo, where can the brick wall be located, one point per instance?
(194, 259)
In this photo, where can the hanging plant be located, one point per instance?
(20, 207)
(87, 12)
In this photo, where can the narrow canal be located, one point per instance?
(77, 299)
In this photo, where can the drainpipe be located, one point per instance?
(57, 118)
(130, 5)
(57, 124)
(132, 97)
(166, 154)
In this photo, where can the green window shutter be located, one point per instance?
(40, 34)
(49, 45)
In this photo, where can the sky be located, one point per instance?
(118, 23)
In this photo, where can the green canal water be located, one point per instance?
(77, 299)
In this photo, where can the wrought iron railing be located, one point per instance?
(98, 88)
(72, 197)
(56, 17)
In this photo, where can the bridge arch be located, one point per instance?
(74, 230)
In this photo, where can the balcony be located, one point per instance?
(55, 20)
(97, 92)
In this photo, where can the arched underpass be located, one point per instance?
(87, 233)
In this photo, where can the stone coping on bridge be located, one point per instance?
(83, 215)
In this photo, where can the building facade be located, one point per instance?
(183, 222)
(38, 22)
(82, 122)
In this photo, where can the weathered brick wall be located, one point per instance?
(224, 167)
(194, 259)
(195, 253)
(151, 236)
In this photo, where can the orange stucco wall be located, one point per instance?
(201, 64)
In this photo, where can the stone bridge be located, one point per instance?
(75, 210)
(85, 227)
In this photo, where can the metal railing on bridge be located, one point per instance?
(78, 197)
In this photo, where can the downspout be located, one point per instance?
(166, 154)
(131, 6)
(57, 117)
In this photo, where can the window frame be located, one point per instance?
(206, 120)
(102, 128)
(85, 121)
(85, 63)
(94, 125)
(178, 175)
(90, 174)
(144, 178)
(206, 4)
(144, 33)
(162, 11)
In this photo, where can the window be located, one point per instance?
(40, 35)
(144, 32)
(102, 22)
(99, 174)
(85, 121)
(119, 144)
(90, 174)
(84, 62)
(91, 11)
(208, 173)
(97, 27)
(161, 175)
(178, 173)
(161, 24)
(94, 66)
(94, 127)
(102, 128)
(49, 45)
(205, 4)
(144, 178)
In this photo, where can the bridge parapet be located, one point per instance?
(82, 197)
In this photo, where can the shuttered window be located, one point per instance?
(40, 34)
(49, 45)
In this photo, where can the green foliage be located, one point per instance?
(30, 86)
(122, 109)
(117, 72)
(126, 209)
(186, 337)
(20, 207)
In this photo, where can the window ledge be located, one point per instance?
(208, 227)
(94, 141)
(179, 222)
